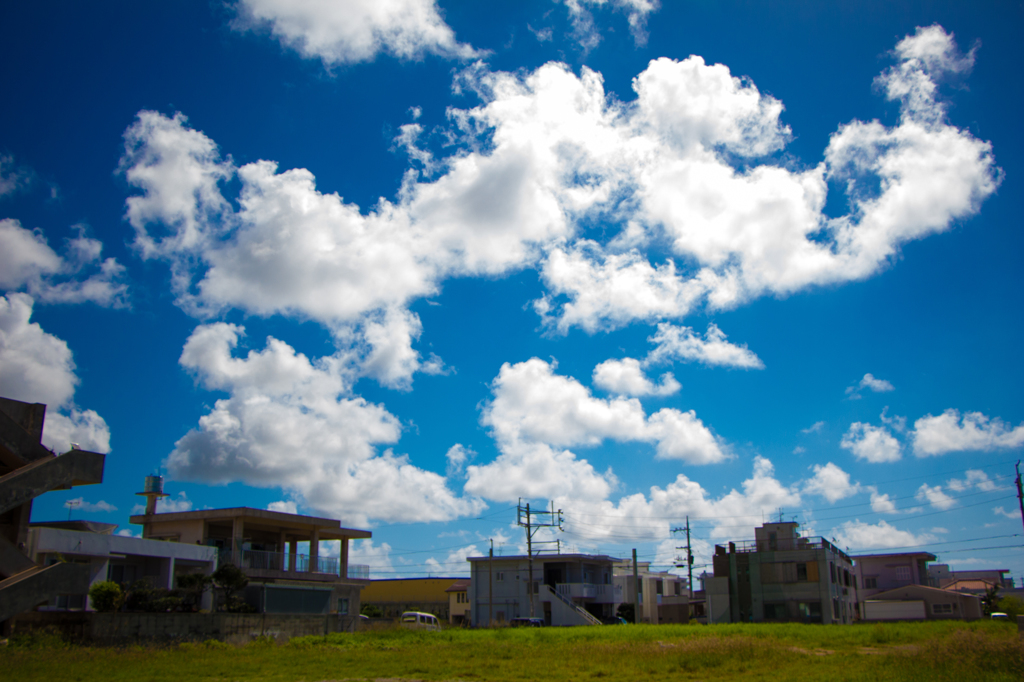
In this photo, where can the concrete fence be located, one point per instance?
(232, 628)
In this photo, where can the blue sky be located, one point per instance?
(404, 263)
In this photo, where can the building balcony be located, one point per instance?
(259, 564)
(780, 545)
(598, 594)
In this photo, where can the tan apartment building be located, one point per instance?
(781, 576)
(265, 545)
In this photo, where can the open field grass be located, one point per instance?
(931, 652)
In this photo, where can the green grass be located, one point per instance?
(935, 651)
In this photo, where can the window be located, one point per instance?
(70, 601)
(801, 572)
(343, 607)
(942, 608)
(832, 570)
(536, 587)
(903, 573)
(870, 583)
(499, 576)
(657, 587)
(810, 611)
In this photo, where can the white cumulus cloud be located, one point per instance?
(951, 432)
(859, 536)
(871, 443)
(533, 404)
(350, 31)
(545, 151)
(626, 377)
(291, 423)
(935, 496)
(27, 262)
(871, 383)
(681, 343)
(80, 503)
(831, 482)
(286, 506)
(38, 367)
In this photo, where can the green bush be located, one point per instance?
(192, 587)
(1011, 606)
(106, 596)
(230, 579)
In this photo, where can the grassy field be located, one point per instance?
(931, 652)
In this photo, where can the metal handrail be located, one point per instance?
(587, 615)
(259, 560)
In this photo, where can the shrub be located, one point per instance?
(230, 579)
(106, 596)
(1011, 606)
(142, 596)
(192, 587)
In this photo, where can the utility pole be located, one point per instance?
(636, 591)
(689, 555)
(554, 520)
(490, 587)
(1020, 493)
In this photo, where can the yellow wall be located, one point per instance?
(413, 589)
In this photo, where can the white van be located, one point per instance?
(416, 620)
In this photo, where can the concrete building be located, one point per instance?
(397, 595)
(122, 559)
(781, 576)
(939, 575)
(920, 602)
(883, 572)
(27, 470)
(458, 602)
(664, 596)
(265, 545)
(567, 589)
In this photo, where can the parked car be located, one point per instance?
(526, 623)
(999, 615)
(417, 620)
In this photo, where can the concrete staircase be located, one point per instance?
(569, 613)
(28, 470)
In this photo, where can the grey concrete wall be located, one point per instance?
(233, 628)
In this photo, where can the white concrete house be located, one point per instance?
(123, 559)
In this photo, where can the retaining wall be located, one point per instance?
(233, 628)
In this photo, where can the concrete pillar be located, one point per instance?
(314, 551)
(237, 537)
(281, 549)
(343, 558)
(293, 553)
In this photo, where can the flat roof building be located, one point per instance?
(265, 546)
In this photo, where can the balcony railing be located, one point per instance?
(779, 545)
(598, 593)
(358, 571)
(257, 560)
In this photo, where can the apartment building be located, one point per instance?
(781, 576)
